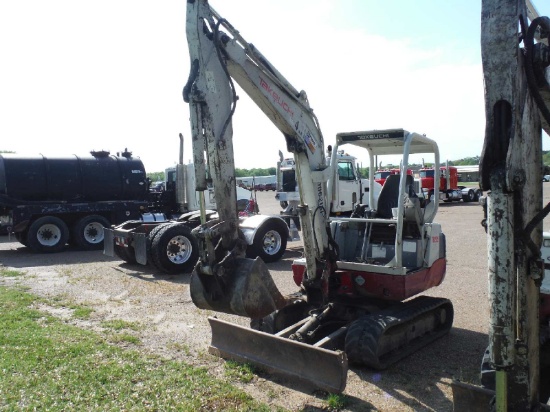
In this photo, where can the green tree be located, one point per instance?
(156, 176)
(255, 172)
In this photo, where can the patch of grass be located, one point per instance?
(81, 312)
(9, 273)
(47, 364)
(180, 347)
(123, 337)
(119, 324)
(337, 401)
(243, 372)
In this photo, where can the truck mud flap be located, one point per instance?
(326, 369)
(108, 242)
(140, 248)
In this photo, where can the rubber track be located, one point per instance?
(364, 334)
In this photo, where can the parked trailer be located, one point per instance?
(47, 202)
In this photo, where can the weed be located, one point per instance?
(240, 371)
(337, 401)
(9, 273)
(119, 324)
(124, 337)
(180, 347)
(81, 312)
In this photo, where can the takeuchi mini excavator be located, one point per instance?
(360, 276)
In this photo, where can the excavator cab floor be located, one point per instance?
(247, 290)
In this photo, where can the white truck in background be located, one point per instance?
(350, 189)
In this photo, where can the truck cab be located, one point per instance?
(350, 188)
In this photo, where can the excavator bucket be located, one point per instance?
(248, 290)
(325, 369)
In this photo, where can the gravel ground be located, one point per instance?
(173, 327)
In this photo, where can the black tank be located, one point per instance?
(98, 177)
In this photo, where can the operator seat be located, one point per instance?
(412, 205)
(389, 197)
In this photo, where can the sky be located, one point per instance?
(108, 74)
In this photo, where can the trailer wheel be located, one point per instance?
(47, 234)
(88, 233)
(126, 254)
(174, 249)
(269, 242)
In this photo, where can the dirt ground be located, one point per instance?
(173, 327)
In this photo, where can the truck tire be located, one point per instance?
(126, 254)
(470, 196)
(269, 242)
(174, 249)
(47, 234)
(150, 237)
(88, 233)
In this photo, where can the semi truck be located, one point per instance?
(382, 174)
(47, 202)
(162, 236)
(350, 188)
(449, 189)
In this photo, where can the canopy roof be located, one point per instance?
(388, 142)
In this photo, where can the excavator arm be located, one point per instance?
(517, 97)
(219, 57)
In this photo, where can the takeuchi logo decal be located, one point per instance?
(276, 98)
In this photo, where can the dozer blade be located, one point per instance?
(248, 290)
(321, 367)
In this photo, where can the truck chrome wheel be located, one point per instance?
(269, 241)
(272, 242)
(173, 249)
(179, 249)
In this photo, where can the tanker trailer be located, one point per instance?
(47, 202)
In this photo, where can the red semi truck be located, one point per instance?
(382, 174)
(449, 189)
